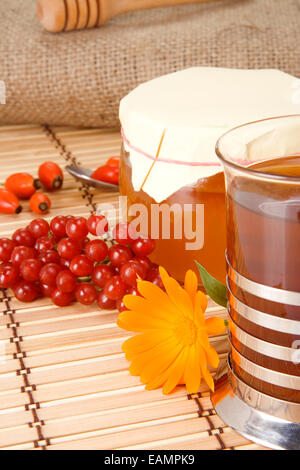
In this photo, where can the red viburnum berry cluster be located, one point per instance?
(59, 261)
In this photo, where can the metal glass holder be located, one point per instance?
(261, 418)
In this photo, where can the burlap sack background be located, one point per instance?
(79, 78)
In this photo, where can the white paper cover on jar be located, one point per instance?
(196, 106)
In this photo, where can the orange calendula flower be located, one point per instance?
(173, 346)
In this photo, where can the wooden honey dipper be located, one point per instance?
(69, 15)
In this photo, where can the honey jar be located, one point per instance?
(170, 175)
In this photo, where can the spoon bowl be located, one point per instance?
(84, 176)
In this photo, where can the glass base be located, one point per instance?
(258, 417)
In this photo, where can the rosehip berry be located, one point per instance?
(66, 281)
(81, 266)
(9, 276)
(131, 271)
(105, 303)
(23, 237)
(119, 254)
(39, 228)
(143, 246)
(85, 293)
(97, 225)
(115, 288)
(26, 291)
(30, 269)
(20, 253)
(49, 273)
(77, 228)
(96, 250)
(101, 274)
(61, 299)
(68, 248)
(6, 249)
(44, 243)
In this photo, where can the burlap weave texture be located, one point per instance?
(78, 78)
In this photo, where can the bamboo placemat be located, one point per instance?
(64, 381)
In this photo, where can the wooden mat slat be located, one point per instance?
(64, 381)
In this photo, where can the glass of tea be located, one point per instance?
(262, 174)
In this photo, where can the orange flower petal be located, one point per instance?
(176, 372)
(135, 321)
(191, 284)
(177, 294)
(156, 359)
(204, 370)
(200, 307)
(212, 357)
(192, 373)
(143, 342)
(156, 296)
(147, 307)
(215, 326)
(158, 380)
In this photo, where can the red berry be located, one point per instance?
(133, 291)
(119, 254)
(39, 228)
(97, 225)
(23, 237)
(131, 271)
(154, 277)
(122, 234)
(145, 262)
(85, 293)
(81, 266)
(96, 250)
(64, 263)
(20, 253)
(66, 281)
(9, 276)
(49, 273)
(26, 291)
(30, 269)
(68, 248)
(101, 274)
(6, 249)
(58, 226)
(105, 303)
(143, 246)
(61, 299)
(44, 244)
(49, 256)
(115, 288)
(46, 291)
(120, 305)
(77, 228)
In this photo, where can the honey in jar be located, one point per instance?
(169, 167)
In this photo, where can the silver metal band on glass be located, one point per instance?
(265, 320)
(262, 347)
(266, 375)
(272, 322)
(281, 409)
(259, 290)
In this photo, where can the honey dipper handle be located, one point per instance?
(111, 8)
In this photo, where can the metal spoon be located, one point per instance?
(84, 176)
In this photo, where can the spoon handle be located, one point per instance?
(69, 15)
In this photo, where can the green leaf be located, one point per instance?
(214, 288)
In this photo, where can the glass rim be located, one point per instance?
(248, 169)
